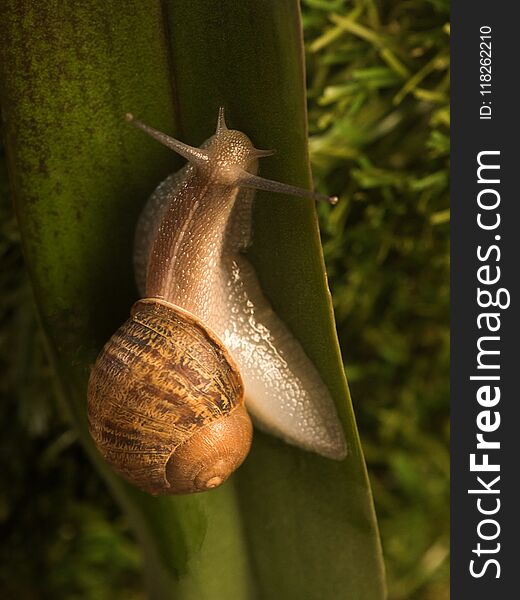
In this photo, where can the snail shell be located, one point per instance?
(166, 403)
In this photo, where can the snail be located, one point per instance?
(166, 394)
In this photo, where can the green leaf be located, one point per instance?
(290, 524)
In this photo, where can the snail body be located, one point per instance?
(166, 412)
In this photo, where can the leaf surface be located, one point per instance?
(290, 524)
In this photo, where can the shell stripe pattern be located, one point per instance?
(149, 394)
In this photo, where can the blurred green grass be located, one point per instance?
(379, 121)
(378, 83)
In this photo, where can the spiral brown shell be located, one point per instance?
(165, 403)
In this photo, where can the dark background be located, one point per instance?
(470, 136)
